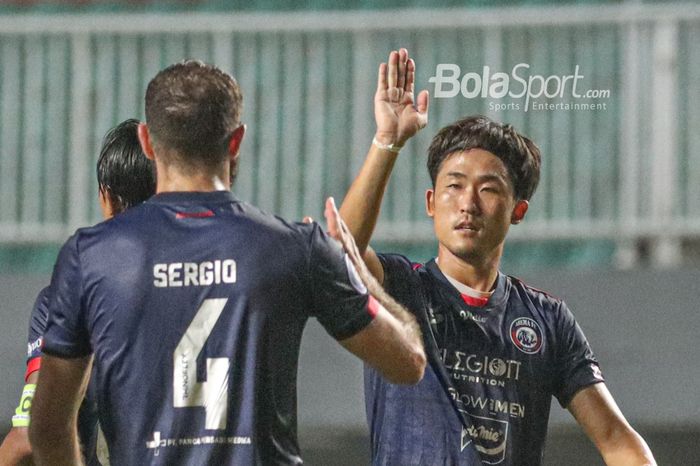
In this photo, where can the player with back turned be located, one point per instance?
(498, 350)
(191, 306)
(125, 178)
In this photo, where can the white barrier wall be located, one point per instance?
(627, 169)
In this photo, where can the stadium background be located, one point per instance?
(614, 228)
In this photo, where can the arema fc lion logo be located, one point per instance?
(526, 335)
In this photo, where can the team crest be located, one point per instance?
(526, 335)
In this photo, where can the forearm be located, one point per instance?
(56, 446)
(53, 432)
(15, 449)
(618, 443)
(361, 206)
(627, 448)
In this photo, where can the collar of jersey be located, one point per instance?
(192, 196)
(499, 296)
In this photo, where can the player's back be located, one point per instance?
(195, 306)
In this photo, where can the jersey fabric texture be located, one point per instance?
(491, 373)
(87, 416)
(194, 305)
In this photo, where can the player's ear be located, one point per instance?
(234, 144)
(430, 202)
(145, 140)
(108, 204)
(519, 212)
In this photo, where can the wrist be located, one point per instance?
(387, 143)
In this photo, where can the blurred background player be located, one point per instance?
(498, 350)
(125, 178)
(193, 304)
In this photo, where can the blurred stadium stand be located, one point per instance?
(620, 187)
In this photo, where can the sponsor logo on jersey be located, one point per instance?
(526, 335)
(469, 315)
(488, 405)
(34, 346)
(489, 436)
(158, 442)
(482, 369)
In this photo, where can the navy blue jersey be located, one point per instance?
(491, 373)
(87, 416)
(37, 325)
(194, 305)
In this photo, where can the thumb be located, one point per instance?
(423, 102)
(331, 214)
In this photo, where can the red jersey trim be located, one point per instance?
(205, 214)
(373, 307)
(32, 366)
(474, 301)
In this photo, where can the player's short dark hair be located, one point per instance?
(124, 174)
(518, 153)
(192, 110)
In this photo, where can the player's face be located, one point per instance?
(472, 205)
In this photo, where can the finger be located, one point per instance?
(393, 69)
(410, 76)
(307, 219)
(423, 102)
(331, 219)
(381, 78)
(403, 57)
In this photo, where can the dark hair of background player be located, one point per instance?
(518, 153)
(192, 110)
(124, 174)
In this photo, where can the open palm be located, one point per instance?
(398, 114)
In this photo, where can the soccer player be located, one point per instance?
(497, 349)
(125, 178)
(191, 306)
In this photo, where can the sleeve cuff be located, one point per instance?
(33, 365)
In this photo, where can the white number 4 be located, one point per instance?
(212, 394)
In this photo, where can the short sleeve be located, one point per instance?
(577, 367)
(66, 332)
(340, 300)
(37, 324)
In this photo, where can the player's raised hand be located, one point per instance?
(338, 230)
(398, 113)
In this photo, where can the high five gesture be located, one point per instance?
(399, 115)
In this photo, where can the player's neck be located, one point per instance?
(477, 273)
(170, 178)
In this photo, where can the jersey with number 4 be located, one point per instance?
(194, 305)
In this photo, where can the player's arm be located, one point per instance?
(398, 116)
(53, 432)
(392, 342)
(15, 449)
(596, 411)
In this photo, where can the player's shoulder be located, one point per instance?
(399, 261)
(274, 228)
(541, 299)
(42, 298)
(41, 304)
